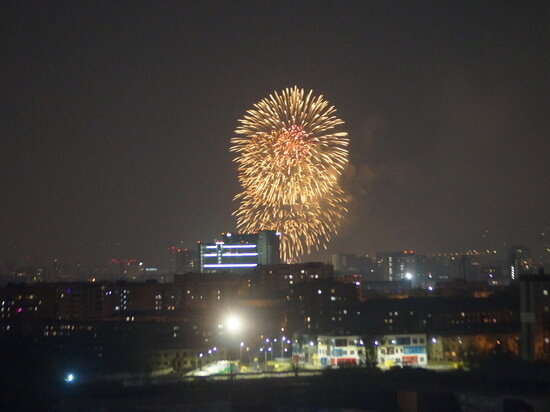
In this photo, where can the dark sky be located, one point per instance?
(117, 117)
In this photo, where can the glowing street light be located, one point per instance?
(69, 378)
(233, 323)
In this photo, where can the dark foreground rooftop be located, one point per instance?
(497, 388)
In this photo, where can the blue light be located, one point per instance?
(233, 265)
(210, 255)
(69, 378)
(238, 246)
(239, 254)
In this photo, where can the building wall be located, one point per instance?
(328, 351)
(402, 350)
(535, 317)
(239, 252)
(463, 348)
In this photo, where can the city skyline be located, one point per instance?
(118, 126)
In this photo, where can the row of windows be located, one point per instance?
(403, 341)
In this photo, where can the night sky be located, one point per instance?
(116, 120)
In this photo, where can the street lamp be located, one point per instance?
(233, 323)
(271, 344)
(265, 357)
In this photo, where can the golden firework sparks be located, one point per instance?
(289, 158)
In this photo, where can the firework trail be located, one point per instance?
(289, 157)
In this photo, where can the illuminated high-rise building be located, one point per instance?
(397, 265)
(183, 260)
(236, 252)
(519, 261)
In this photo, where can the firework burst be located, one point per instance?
(289, 157)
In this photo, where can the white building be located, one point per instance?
(401, 350)
(330, 351)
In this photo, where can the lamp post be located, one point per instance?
(265, 357)
(270, 347)
(233, 324)
(200, 360)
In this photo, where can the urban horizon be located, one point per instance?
(275, 205)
